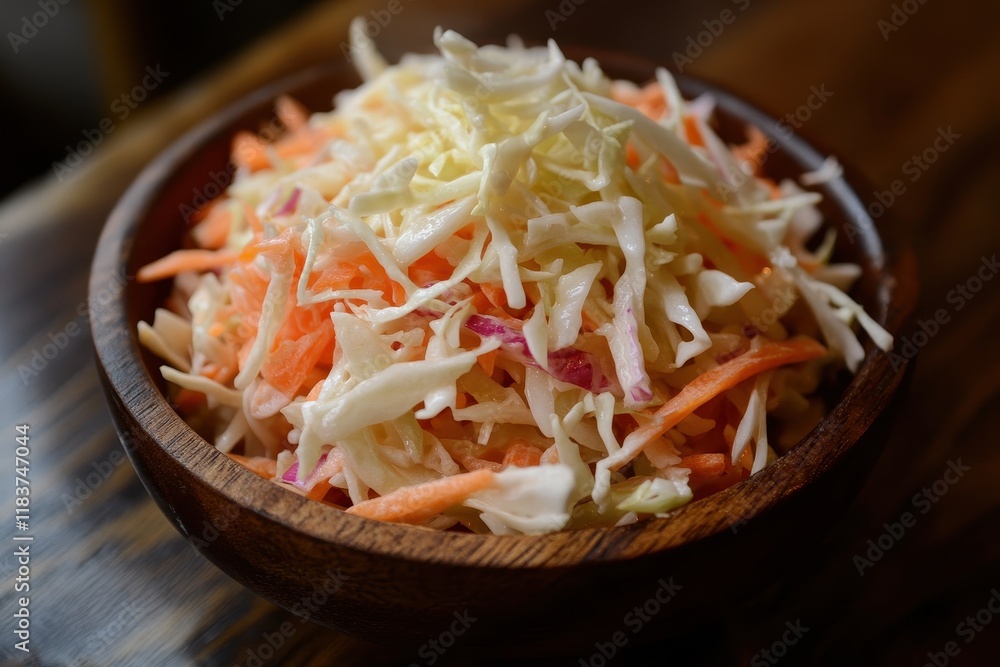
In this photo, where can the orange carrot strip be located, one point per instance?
(334, 278)
(710, 384)
(754, 151)
(298, 143)
(488, 361)
(649, 99)
(415, 504)
(692, 131)
(212, 232)
(288, 364)
(249, 151)
(185, 260)
(260, 465)
(631, 155)
(430, 269)
(522, 455)
(187, 400)
(704, 466)
(495, 293)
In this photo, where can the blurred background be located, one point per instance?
(64, 64)
(67, 65)
(92, 90)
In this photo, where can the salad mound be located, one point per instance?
(495, 289)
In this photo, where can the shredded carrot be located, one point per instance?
(754, 151)
(631, 156)
(211, 233)
(336, 277)
(298, 143)
(259, 465)
(649, 99)
(522, 455)
(415, 504)
(669, 173)
(188, 400)
(319, 489)
(249, 152)
(185, 260)
(288, 364)
(484, 306)
(704, 466)
(488, 361)
(710, 384)
(429, 269)
(495, 293)
(692, 131)
(282, 244)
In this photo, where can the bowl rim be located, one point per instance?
(118, 359)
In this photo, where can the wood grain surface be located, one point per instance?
(114, 584)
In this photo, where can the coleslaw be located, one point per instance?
(494, 289)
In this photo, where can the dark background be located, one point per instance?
(894, 90)
(65, 78)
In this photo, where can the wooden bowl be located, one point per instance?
(394, 583)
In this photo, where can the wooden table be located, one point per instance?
(113, 584)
